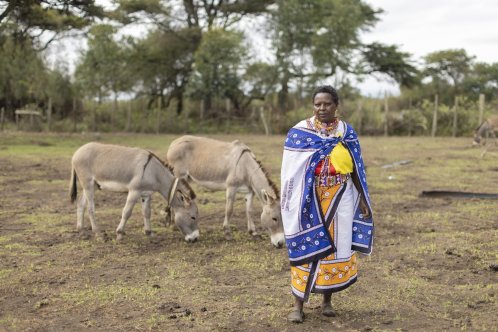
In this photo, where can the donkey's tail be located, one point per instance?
(73, 189)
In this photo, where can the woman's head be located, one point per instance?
(325, 101)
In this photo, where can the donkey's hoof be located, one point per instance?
(99, 236)
(82, 235)
(228, 235)
(253, 232)
(120, 236)
(149, 233)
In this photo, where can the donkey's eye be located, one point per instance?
(193, 218)
(274, 219)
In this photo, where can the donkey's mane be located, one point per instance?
(270, 182)
(191, 192)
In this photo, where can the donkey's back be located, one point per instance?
(207, 161)
(112, 167)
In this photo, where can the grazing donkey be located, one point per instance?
(485, 129)
(138, 172)
(231, 166)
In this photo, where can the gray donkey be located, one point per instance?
(486, 128)
(219, 165)
(139, 173)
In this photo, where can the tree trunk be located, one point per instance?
(455, 117)
(2, 118)
(262, 115)
(203, 110)
(158, 115)
(227, 108)
(74, 114)
(283, 95)
(481, 108)
(114, 111)
(94, 116)
(128, 117)
(434, 117)
(49, 114)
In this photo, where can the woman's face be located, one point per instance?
(325, 107)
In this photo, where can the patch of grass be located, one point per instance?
(9, 322)
(5, 273)
(45, 222)
(101, 294)
(19, 250)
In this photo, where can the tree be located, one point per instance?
(176, 34)
(483, 78)
(23, 75)
(388, 59)
(218, 62)
(32, 19)
(448, 66)
(162, 62)
(100, 65)
(317, 40)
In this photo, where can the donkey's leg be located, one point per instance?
(494, 136)
(146, 214)
(251, 228)
(132, 198)
(88, 191)
(230, 196)
(80, 212)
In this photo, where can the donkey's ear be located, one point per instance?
(187, 201)
(267, 199)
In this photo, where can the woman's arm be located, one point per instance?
(363, 204)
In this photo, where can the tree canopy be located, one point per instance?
(202, 51)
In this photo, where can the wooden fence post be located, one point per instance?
(74, 114)
(359, 111)
(263, 119)
(49, 114)
(455, 117)
(481, 108)
(434, 116)
(227, 107)
(2, 118)
(114, 110)
(186, 114)
(128, 117)
(158, 115)
(386, 114)
(203, 106)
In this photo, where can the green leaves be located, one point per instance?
(389, 60)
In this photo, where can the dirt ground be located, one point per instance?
(433, 267)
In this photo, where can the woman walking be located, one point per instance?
(325, 204)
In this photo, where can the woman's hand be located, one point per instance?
(364, 208)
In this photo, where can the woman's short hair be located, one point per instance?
(326, 89)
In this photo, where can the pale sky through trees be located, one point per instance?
(417, 27)
(424, 26)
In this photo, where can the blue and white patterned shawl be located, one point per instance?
(306, 234)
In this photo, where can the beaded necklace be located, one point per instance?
(326, 128)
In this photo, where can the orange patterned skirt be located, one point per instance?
(338, 270)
